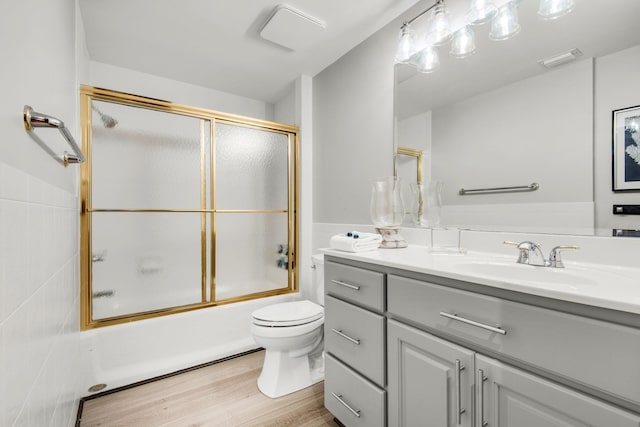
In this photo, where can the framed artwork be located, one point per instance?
(626, 149)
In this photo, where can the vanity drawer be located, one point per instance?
(360, 286)
(595, 353)
(355, 336)
(350, 398)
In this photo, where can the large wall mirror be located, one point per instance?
(500, 118)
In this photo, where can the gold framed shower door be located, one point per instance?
(208, 181)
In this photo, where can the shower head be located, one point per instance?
(108, 121)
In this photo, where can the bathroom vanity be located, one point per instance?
(413, 338)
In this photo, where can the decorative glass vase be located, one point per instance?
(426, 205)
(387, 211)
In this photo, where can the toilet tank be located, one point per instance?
(317, 281)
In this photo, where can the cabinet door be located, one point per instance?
(508, 396)
(430, 380)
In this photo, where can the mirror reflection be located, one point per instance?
(502, 118)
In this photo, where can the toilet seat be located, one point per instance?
(285, 314)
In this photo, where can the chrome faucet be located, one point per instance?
(528, 248)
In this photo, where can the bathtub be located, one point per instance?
(127, 353)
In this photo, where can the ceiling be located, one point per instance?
(216, 44)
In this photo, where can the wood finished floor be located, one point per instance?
(222, 394)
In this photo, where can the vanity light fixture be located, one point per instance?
(423, 54)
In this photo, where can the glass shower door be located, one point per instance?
(253, 211)
(147, 193)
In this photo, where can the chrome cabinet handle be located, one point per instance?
(454, 316)
(480, 384)
(459, 409)
(355, 412)
(346, 285)
(347, 337)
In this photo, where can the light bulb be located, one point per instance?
(438, 26)
(481, 11)
(463, 43)
(505, 24)
(406, 44)
(428, 59)
(552, 9)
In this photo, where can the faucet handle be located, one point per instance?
(523, 248)
(554, 256)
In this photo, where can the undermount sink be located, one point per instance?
(572, 276)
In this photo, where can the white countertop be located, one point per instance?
(611, 287)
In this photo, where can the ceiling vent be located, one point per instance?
(560, 59)
(291, 28)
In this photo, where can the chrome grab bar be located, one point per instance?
(454, 316)
(346, 285)
(347, 337)
(355, 412)
(532, 187)
(459, 410)
(32, 120)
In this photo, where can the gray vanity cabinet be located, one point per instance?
(422, 350)
(434, 382)
(509, 396)
(355, 345)
(430, 380)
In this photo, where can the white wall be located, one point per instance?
(40, 362)
(617, 84)
(353, 129)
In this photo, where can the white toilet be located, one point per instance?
(292, 335)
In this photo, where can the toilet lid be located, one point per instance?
(288, 314)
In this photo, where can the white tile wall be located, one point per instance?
(39, 307)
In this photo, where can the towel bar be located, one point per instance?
(533, 187)
(38, 120)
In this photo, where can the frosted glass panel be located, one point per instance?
(147, 160)
(247, 258)
(145, 261)
(250, 168)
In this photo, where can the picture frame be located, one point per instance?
(626, 149)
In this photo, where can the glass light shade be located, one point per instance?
(481, 11)
(505, 25)
(438, 26)
(463, 43)
(428, 59)
(552, 9)
(387, 206)
(406, 44)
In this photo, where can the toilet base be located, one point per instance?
(282, 374)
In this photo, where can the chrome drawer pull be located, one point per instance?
(459, 409)
(480, 384)
(347, 337)
(454, 316)
(355, 412)
(346, 285)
